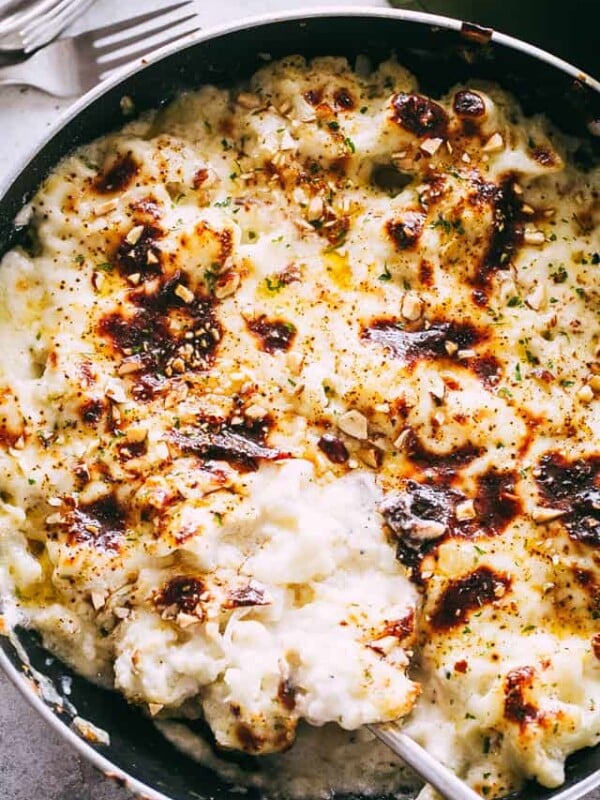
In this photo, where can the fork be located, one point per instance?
(26, 30)
(71, 66)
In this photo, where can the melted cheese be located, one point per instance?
(261, 339)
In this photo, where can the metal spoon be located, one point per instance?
(427, 767)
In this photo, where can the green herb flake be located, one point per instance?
(560, 275)
(274, 284)
(386, 275)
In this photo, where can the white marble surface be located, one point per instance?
(34, 763)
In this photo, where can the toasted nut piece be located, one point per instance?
(371, 456)
(294, 362)
(437, 387)
(354, 424)
(450, 347)
(134, 234)
(136, 434)
(105, 208)
(594, 383)
(537, 297)
(427, 529)
(256, 411)
(466, 158)
(465, 510)
(288, 142)
(499, 590)
(533, 237)
(527, 209)
(151, 257)
(402, 440)
(130, 366)
(517, 188)
(121, 613)
(184, 293)
(248, 100)
(186, 620)
(439, 418)
(315, 208)
(115, 391)
(464, 354)
(431, 146)
(55, 502)
(494, 144)
(585, 393)
(134, 278)
(412, 307)
(155, 708)
(227, 285)
(546, 514)
(98, 600)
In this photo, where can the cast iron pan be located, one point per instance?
(440, 51)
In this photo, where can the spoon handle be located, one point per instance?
(427, 767)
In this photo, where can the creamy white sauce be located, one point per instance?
(231, 361)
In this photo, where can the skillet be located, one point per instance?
(439, 51)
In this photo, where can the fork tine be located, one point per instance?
(109, 66)
(39, 35)
(120, 27)
(19, 18)
(107, 49)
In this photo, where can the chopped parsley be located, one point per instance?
(386, 275)
(274, 284)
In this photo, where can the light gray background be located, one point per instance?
(34, 763)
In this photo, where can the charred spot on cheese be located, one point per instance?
(343, 99)
(418, 516)
(165, 337)
(142, 257)
(130, 450)
(389, 179)
(516, 706)
(445, 465)
(419, 115)
(118, 176)
(273, 334)
(334, 448)
(250, 741)
(596, 645)
(200, 177)
(402, 628)
(496, 503)
(406, 230)
(287, 694)
(147, 209)
(100, 523)
(506, 234)
(426, 272)
(245, 596)
(183, 591)
(91, 410)
(244, 447)
(544, 156)
(413, 344)
(464, 596)
(574, 487)
(468, 105)
(313, 96)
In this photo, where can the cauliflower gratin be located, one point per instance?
(300, 427)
